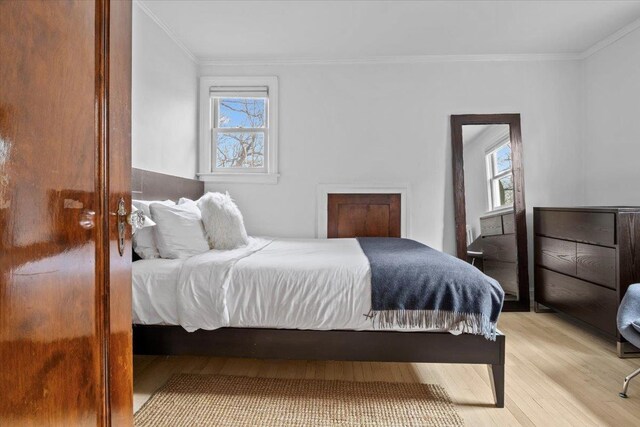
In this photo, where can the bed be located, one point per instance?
(313, 317)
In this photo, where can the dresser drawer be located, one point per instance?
(590, 227)
(558, 255)
(499, 248)
(506, 273)
(590, 303)
(508, 224)
(491, 226)
(597, 264)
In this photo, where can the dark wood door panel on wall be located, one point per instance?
(363, 215)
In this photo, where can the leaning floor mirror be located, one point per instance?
(490, 214)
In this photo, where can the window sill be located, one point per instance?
(240, 178)
(503, 209)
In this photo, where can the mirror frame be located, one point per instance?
(519, 207)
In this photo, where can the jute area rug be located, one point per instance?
(220, 400)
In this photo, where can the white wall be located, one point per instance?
(612, 124)
(389, 123)
(164, 102)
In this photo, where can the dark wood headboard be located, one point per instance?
(147, 185)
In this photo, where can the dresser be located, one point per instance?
(585, 258)
(499, 252)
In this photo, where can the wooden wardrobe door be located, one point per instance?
(50, 300)
(119, 187)
(59, 337)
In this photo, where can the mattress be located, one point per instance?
(273, 283)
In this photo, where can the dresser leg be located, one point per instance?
(626, 350)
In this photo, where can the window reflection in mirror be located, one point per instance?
(500, 176)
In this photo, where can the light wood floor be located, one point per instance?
(557, 374)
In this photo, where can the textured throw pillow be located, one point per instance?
(144, 242)
(222, 221)
(179, 230)
(636, 325)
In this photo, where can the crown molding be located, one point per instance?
(143, 7)
(608, 41)
(416, 59)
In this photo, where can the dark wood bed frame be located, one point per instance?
(340, 345)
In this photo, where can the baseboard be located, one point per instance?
(539, 308)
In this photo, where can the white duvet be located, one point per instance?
(279, 283)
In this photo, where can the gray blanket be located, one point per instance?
(415, 286)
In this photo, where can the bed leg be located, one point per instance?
(496, 374)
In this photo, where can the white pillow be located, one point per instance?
(184, 201)
(179, 230)
(144, 242)
(222, 221)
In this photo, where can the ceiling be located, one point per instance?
(290, 30)
(471, 132)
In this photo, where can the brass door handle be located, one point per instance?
(134, 219)
(122, 219)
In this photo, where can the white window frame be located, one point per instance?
(492, 177)
(208, 172)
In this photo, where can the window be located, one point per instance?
(500, 176)
(238, 129)
(240, 132)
